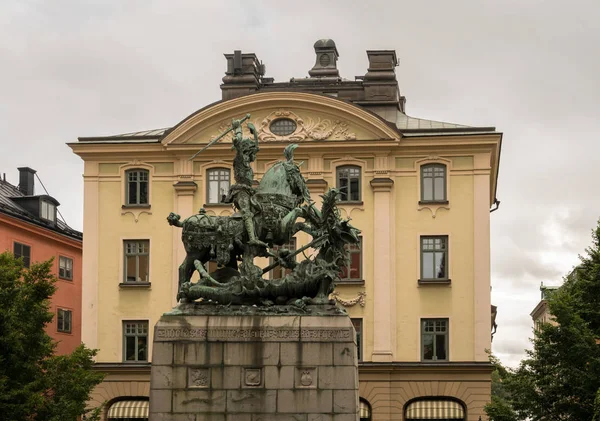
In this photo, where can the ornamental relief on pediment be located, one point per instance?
(297, 128)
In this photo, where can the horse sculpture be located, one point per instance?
(274, 206)
(222, 239)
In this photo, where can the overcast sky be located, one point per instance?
(529, 68)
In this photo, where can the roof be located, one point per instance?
(144, 133)
(12, 208)
(411, 126)
(142, 136)
(405, 122)
(408, 126)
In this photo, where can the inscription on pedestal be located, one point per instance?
(249, 334)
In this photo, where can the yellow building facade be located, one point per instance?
(419, 190)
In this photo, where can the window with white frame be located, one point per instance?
(137, 260)
(65, 268)
(48, 211)
(63, 320)
(218, 182)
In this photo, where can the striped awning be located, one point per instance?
(435, 409)
(129, 409)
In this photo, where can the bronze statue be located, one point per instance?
(268, 216)
(240, 194)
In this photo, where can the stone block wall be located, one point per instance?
(254, 368)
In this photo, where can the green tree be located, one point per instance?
(500, 408)
(560, 378)
(35, 384)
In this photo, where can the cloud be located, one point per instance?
(82, 68)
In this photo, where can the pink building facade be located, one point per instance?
(29, 229)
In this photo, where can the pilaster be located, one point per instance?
(184, 205)
(481, 257)
(89, 285)
(382, 274)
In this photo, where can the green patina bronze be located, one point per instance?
(267, 216)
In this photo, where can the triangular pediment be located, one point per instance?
(309, 117)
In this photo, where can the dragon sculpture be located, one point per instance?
(267, 216)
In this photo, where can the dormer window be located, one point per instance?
(48, 211)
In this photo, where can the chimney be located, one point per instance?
(26, 180)
(243, 75)
(382, 65)
(380, 81)
(326, 64)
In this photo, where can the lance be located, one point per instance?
(215, 140)
(300, 250)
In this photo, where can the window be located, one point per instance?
(358, 328)
(433, 183)
(218, 185)
(137, 187)
(48, 211)
(63, 320)
(65, 268)
(135, 341)
(352, 271)
(211, 266)
(434, 339)
(136, 260)
(364, 410)
(280, 272)
(348, 182)
(21, 250)
(283, 127)
(434, 258)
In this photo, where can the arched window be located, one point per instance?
(364, 410)
(217, 186)
(434, 409)
(433, 183)
(348, 183)
(136, 190)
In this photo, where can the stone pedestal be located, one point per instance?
(254, 367)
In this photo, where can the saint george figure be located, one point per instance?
(241, 193)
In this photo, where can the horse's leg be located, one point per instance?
(186, 269)
(198, 264)
(232, 261)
